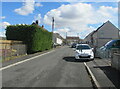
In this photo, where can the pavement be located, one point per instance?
(58, 68)
(106, 76)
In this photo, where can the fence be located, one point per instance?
(11, 48)
(115, 60)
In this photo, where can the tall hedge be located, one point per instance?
(34, 36)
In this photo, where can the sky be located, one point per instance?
(71, 18)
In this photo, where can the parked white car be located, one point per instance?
(84, 51)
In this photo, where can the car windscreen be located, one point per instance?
(109, 43)
(82, 47)
(116, 44)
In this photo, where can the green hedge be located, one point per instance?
(36, 38)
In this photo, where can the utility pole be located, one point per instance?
(66, 34)
(53, 30)
(78, 37)
(78, 34)
(53, 24)
(66, 38)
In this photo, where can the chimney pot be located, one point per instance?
(42, 26)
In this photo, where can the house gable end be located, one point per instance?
(108, 30)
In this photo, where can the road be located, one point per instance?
(55, 69)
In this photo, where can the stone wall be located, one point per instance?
(9, 48)
(115, 60)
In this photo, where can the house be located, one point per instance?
(72, 39)
(37, 23)
(102, 35)
(2, 38)
(57, 39)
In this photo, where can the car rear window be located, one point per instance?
(110, 43)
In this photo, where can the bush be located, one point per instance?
(34, 36)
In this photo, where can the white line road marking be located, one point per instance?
(14, 64)
(93, 77)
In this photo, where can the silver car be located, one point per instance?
(105, 51)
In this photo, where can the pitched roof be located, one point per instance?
(108, 22)
(100, 28)
(58, 35)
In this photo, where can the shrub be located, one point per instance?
(34, 36)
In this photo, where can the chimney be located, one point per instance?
(37, 22)
(42, 26)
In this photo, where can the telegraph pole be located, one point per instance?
(53, 24)
(66, 34)
(78, 34)
(53, 31)
(66, 38)
(78, 37)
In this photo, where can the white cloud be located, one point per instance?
(3, 17)
(2, 34)
(27, 8)
(107, 12)
(78, 17)
(63, 31)
(87, 31)
(3, 25)
(38, 5)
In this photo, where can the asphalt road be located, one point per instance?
(56, 69)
